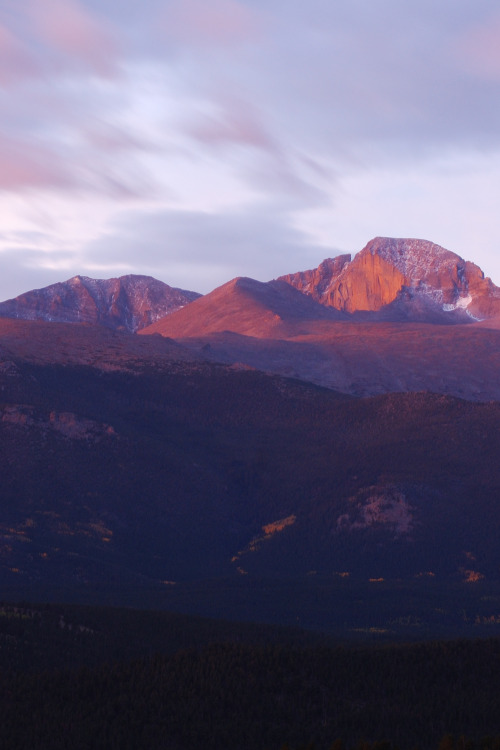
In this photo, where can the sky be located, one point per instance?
(199, 140)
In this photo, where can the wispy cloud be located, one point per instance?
(222, 23)
(200, 248)
(71, 31)
(292, 124)
(478, 48)
(16, 60)
(235, 123)
(30, 166)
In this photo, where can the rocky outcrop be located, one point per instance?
(315, 283)
(127, 303)
(414, 277)
(68, 424)
(378, 506)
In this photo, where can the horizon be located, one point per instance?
(226, 281)
(196, 144)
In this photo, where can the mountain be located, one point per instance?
(128, 303)
(44, 343)
(202, 465)
(407, 278)
(277, 328)
(183, 472)
(135, 473)
(247, 307)
(365, 358)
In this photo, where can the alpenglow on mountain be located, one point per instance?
(416, 278)
(390, 279)
(128, 303)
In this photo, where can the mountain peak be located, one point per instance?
(415, 258)
(245, 306)
(412, 278)
(128, 302)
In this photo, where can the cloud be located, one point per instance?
(237, 128)
(16, 61)
(30, 166)
(69, 28)
(363, 83)
(199, 250)
(42, 40)
(34, 165)
(220, 23)
(478, 49)
(233, 123)
(110, 138)
(250, 119)
(25, 268)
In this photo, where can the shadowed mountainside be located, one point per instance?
(234, 325)
(188, 470)
(48, 343)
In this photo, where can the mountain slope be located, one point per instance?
(248, 307)
(123, 480)
(402, 296)
(365, 359)
(44, 343)
(129, 302)
(412, 279)
(285, 332)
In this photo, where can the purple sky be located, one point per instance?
(198, 140)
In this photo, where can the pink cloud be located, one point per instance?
(235, 125)
(112, 139)
(27, 166)
(15, 60)
(217, 23)
(67, 27)
(479, 49)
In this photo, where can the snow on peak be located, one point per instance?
(416, 259)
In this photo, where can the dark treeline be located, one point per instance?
(255, 697)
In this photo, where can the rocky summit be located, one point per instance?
(126, 303)
(409, 278)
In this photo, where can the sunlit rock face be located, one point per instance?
(413, 272)
(368, 283)
(317, 281)
(127, 303)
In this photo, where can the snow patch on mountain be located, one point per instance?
(415, 258)
(461, 303)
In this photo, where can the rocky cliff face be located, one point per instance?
(414, 277)
(127, 303)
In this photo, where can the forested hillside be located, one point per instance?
(252, 690)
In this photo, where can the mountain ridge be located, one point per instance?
(246, 306)
(404, 275)
(128, 302)
(389, 279)
(138, 463)
(415, 339)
